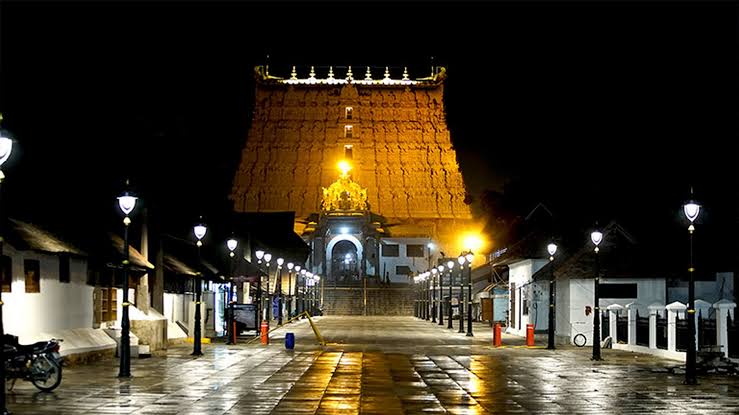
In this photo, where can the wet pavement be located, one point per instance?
(373, 365)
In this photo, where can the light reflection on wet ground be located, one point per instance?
(380, 366)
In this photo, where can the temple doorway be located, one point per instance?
(345, 263)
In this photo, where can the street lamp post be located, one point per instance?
(551, 248)
(309, 275)
(691, 210)
(427, 291)
(317, 279)
(126, 202)
(200, 229)
(433, 294)
(298, 310)
(6, 147)
(450, 266)
(280, 261)
(290, 267)
(260, 298)
(231, 244)
(596, 237)
(469, 257)
(441, 294)
(304, 274)
(460, 302)
(268, 299)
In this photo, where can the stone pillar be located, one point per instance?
(631, 310)
(654, 310)
(673, 311)
(143, 300)
(723, 309)
(157, 299)
(613, 311)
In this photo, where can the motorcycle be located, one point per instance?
(40, 363)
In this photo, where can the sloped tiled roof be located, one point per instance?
(27, 236)
(135, 257)
(620, 256)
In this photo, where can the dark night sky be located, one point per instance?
(598, 109)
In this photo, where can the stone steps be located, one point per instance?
(380, 301)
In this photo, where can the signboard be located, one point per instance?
(245, 316)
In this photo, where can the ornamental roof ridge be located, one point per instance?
(381, 76)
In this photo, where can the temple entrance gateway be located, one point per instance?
(345, 263)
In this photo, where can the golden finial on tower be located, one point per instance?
(405, 74)
(349, 74)
(368, 75)
(294, 74)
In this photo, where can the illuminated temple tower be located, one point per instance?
(393, 134)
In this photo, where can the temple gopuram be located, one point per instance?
(366, 163)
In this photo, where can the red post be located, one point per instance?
(529, 335)
(497, 341)
(265, 332)
(233, 333)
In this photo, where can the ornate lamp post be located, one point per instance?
(433, 294)
(427, 294)
(450, 267)
(440, 268)
(304, 274)
(417, 302)
(297, 290)
(317, 281)
(551, 248)
(200, 229)
(290, 267)
(268, 299)
(691, 210)
(309, 275)
(460, 306)
(280, 261)
(126, 202)
(6, 147)
(260, 298)
(596, 237)
(469, 257)
(231, 244)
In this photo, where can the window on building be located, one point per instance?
(348, 153)
(348, 131)
(390, 250)
(525, 301)
(6, 271)
(348, 113)
(105, 301)
(402, 270)
(63, 268)
(414, 251)
(31, 268)
(617, 290)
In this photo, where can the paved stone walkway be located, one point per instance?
(378, 365)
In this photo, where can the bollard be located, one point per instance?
(265, 332)
(529, 335)
(289, 341)
(497, 341)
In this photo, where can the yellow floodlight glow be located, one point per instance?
(344, 166)
(472, 242)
